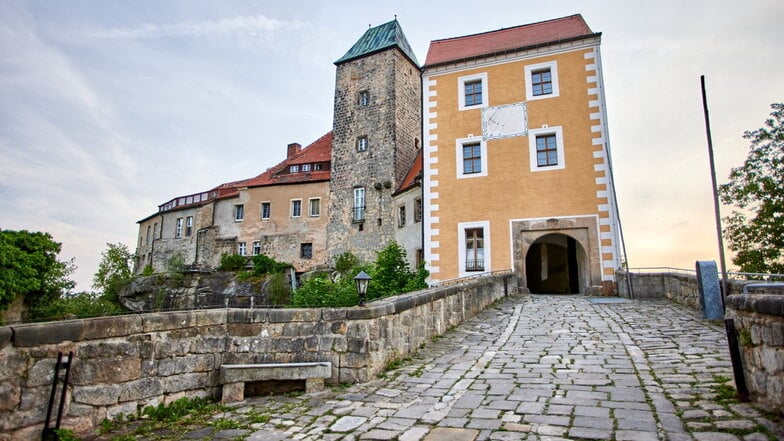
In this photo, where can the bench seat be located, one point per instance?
(234, 376)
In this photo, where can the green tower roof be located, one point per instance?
(377, 39)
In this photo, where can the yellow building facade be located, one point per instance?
(516, 158)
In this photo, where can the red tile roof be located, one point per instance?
(505, 40)
(414, 175)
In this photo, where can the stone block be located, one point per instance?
(333, 314)
(5, 336)
(107, 349)
(105, 370)
(39, 334)
(98, 395)
(12, 365)
(371, 311)
(233, 392)
(184, 382)
(108, 327)
(140, 389)
(166, 321)
(188, 363)
(10, 394)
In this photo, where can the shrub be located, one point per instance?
(148, 271)
(320, 291)
(232, 262)
(267, 265)
(278, 290)
(345, 262)
(175, 264)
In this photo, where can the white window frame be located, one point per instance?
(310, 207)
(459, 143)
(364, 98)
(532, 134)
(256, 248)
(239, 212)
(178, 229)
(359, 203)
(269, 213)
(362, 143)
(294, 169)
(461, 81)
(189, 226)
(529, 70)
(461, 247)
(293, 203)
(242, 248)
(305, 167)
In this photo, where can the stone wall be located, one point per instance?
(759, 321)
(125, 363)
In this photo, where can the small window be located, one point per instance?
(401, 216)
(294, 169)
(296, 208)
(239, 212)
(315, 207)
(472, 91)
(266, 208)
(364, 98)
(306, 250)
(359, 204)
(148, 235)
(418, 210)
(241, 248)
(178, 229)
(362, 143)
(155, 229)
(305, 167)
(472, 158)
(546, 149)
(189, 225)
(317, 167)
(256, 247)
(541, 81)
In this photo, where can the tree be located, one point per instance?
(29, 267)
(114, 271)
(755, 228)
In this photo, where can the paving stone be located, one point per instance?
(347, 423)
(449, 434)
(379, 434)
(589, 433)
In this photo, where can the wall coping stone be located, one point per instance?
(770, 304)
(6, 335)
(38, 334)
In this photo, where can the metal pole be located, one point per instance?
(722, 262)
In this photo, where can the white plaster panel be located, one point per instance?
(604, 207)
(597, 116)
(599, 154)
(594, 103)
(598, 141)
(602, 194)
(600, 167)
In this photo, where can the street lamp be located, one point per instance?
(362, 280)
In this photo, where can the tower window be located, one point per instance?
(364, 98)
(362, 143)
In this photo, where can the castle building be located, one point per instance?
(492, 156)
(516, 158)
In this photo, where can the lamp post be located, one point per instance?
(362, 280)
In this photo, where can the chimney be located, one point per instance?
(293, 149)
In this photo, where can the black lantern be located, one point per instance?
(362, 280)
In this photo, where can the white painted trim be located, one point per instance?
(461, 90)
(461, 248)
(459, 143)
(532, 134)
(533, 68)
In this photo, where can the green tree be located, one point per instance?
(114, 271)
(755, 228)
(29, 267)
(391, 273)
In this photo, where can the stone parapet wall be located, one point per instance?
(122, 364)
(759, 321)
(679, 287)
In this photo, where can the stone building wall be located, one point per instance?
(125, 363)
(759, 321)
(391, 123)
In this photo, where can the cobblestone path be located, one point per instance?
(531, 368)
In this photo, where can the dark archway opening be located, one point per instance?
(552, 265)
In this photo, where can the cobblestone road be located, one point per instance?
(531, 368)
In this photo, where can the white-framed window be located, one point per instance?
(471, 154)
(472, 91)
(256, 247)
(189, 225)
(294, 169)
(178, 228)
(241, 248)
(266, 209)
(474, 247)
(296, 207)
(305, 167)
(546, 149)
(362, 144)
(359, 204)
(541, 81)
(315, 207)
(364, 98)
(239, 212)
(401, 216)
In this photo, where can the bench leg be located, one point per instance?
(314, 385)
(233, 392)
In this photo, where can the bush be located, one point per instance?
(232, 262)
(346, 262)
(278, 290)
(175, 264)
(267, 265)
(148, 271)
(320, 291)
(81, 305)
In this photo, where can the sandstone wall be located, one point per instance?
(759, 321)
(125, 363)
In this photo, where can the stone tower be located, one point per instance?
(376, 135)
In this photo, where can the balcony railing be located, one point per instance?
(358, 214)
(474, 265)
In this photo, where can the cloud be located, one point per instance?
(256, 26)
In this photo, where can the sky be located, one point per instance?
(110, 108)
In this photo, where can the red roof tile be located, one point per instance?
(413, 173)
(503, 40)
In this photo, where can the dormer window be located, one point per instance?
(294, 169)
(317, 167)
(305, 167)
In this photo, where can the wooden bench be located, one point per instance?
(234, 376)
